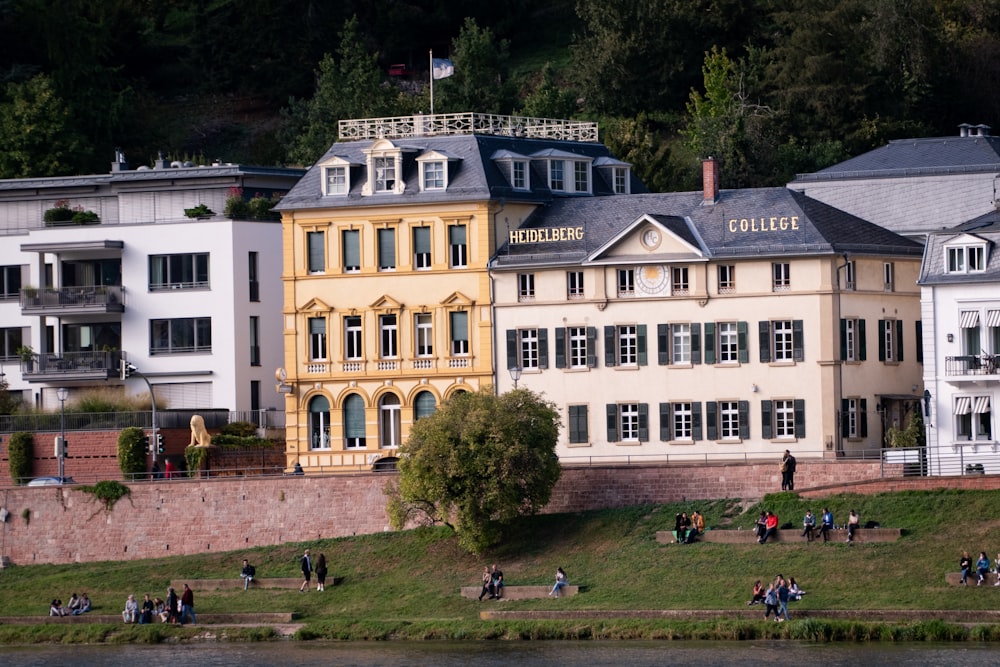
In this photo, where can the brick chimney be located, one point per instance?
(710, 180)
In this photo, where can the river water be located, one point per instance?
(495, 654)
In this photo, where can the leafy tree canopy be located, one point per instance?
(480, 82)
(36, 132)
(478, 463)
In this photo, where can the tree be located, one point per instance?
(480, 81)
(36, 132)
(131, 452)
(478, 463)
(20, 453)
(548, 100)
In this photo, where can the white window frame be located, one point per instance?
(851, 338)
(782, 341)
(581, 176)
(626, 282)
(679, 282)
(528, 349)
(627, 341)
(620, 180)
(423, 324)
(388, 326)
(727, 278)
(387, 182)
(458, 253)
(889, 340)
(353, 340)
(574, 285)
(850, 276)
(335, 180)
(781, 276)
(728, 342)
(680, 343)
(520, 175)
(969, 258)
(853, 418)
(433, 175)
(729, 420)
(459, 346)
(317, 340)
(421, 260)
(525, 287)
(784, 419)
(628, 422)
(681, 421)
(577, 357)
(557, 175)
(888, 277)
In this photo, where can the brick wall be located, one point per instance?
(177, 517)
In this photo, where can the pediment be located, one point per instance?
(386, 302)
(457, 299)
(653, 237)
(965, 239)
(315, 305)
(337, 161)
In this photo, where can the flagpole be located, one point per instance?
(431, 73)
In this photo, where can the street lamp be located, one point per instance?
(515, 374)
(62, 393)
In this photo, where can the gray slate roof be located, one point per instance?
(472, 175)
(143, 175)
(822, 229)
(986, 227)
(914, 157)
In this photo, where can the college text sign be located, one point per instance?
(772, 224)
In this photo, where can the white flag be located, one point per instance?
(442, 68)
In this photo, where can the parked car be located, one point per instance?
(51, 481)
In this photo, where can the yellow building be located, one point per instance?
(387, 242)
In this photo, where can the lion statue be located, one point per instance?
(199, 434)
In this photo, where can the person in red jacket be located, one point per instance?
(770, 525)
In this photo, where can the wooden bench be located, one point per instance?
(861, 535)
(231, 583)
(955, 578)
(520, 592)
(207, 618)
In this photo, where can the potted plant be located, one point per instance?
(236, 205)
(60, 213)
(27, 355)
(200, 211)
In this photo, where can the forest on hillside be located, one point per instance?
(771, 88)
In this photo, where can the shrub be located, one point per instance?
(20, 452)
(198, 211)
(61, 212)
(108, 492)
(236, 205)
(260, 208)
(85, 218)
(131, 451)
(195, 457)
(241, 429)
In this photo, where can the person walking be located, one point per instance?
(782, 599)
(771, 602)
(560, 582)
(307, 569)
(173, 606)
(787, 472)
(321, 573)
(187, 605)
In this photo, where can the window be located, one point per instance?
(579, 428)
(965, 259)
(850, 276)
(351, 241)
(457, 246)
(253, 274)
(316, 251)
(852, 339)
(526, 287)
(254, 340)
(387, 331)
(433, 175)
(178, 271)
(783, 419)
(626, 282)
(186, 334)
(354, 422)
(973, 418)
(336, 180)
(727, 420)
(679, 281)
(385, 173)
(780, 277)
(519, 175)
(619, 180)
(556, 175)
(10, 340)
(317, 339)
(424, 405)
(319, 423)
(727, 279)
(726, 343)
(625, 345)
(352, 337)
(888, 276)
(680, 421)
(576, 347)
(574, 284)
(781, 341)
(527, 348)
(10, 282)
(254, 395)
(424, 334)
(581, 176)
(678, 343)
(854, 418)
(389, 417)
(971, 342)
(421, 248)
(993, 330)
(387, 250)
(890, 340)
(628, 422)
(459, 333)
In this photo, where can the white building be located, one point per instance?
(194, 304)
(960, 300)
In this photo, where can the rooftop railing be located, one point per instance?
(425, 125)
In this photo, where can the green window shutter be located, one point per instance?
(591, 347)
(712, 420)
(543, 348)
(352, 247)
(641, 344)
(765, 420)
(665, 429)
(881, 340)
(764, 338)
(741, 338)
(612, 409)
(843, 339)
(560, 347)
(845, 420)
(709, 342)
(864, 418)
(798, 351)
(899, 340)
(386, 248)
(424, 406)
(317, 252)
(696, 421)
(421, 240)
(862, 342)
(610, 348)
(513, 358)
(578, 427)
(662, 343)
(354, 417)
(695, 342)
(919, 328)
(643, 422)
(799, 408)
(744, 415)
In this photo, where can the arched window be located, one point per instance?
(319, 423)
(354, 422)
(389, 421)
(424, 405)
(386, 464)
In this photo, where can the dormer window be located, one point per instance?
(619, 178)
(965, 258)
(434, 167)
(385, 174)
(567, 172)
(616, 172)
(515, 167)
(519, 174)
(385, 169)
(336, 176)
(556, 175)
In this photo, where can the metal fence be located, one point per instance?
(116, 421)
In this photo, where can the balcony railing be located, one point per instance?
(466, 123)
(82, 298)
(972, 365)
(68, 365)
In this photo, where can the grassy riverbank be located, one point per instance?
(405, 585)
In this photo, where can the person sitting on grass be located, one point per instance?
(560, 582)
(982, 567)
(56, 609)
(247, 574)
(85, 605)
(758, 594)
(794, 592)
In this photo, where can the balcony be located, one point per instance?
(973, 366)
(71, 366)
(74, 300)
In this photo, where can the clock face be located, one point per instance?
(651, 279)
(280, 374)
(651, 238)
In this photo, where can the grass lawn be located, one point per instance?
(406, 584)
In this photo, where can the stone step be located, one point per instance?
(207, 618)
(955, 579)
(861, 535)
(520, 592)
(230, 583)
